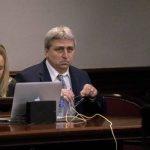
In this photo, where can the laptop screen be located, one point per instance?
(33, 91)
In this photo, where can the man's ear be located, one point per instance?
(46, 51)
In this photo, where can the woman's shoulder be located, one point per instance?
(11, 87)
(12, 80)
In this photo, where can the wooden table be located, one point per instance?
(96, 129)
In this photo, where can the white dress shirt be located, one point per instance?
(54, 74)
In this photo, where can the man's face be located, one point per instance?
(1, 66)
(61, 53)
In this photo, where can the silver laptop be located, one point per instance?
(33, 91)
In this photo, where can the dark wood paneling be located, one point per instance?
(132, 83)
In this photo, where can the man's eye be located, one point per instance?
(59, 49)
(62, 49)
(70, 49)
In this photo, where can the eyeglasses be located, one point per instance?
(61, 49)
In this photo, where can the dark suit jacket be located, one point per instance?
(11, 88)
(39, 73)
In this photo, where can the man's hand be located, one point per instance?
(89, 90)
(67, 94)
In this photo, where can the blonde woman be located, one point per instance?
(7, 83)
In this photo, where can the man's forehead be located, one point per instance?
(59, 42)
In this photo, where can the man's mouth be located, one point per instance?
(64, 63)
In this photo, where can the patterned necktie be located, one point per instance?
(60, 77)
(63, 104)
(66, 103)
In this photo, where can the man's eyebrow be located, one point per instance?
(64, 47)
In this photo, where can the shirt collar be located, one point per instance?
(54, 73)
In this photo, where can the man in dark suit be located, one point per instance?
(59, 53)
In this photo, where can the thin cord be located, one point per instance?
(107, 121)
(79, 101)
(83, 119)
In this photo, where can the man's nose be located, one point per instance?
(65, 52)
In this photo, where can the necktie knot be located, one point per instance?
(61, 78)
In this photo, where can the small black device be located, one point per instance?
(41, 112)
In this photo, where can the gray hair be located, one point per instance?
(60, 32)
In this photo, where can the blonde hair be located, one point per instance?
(4, 80)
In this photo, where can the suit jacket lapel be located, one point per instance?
(44, 75)
(74, 81)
